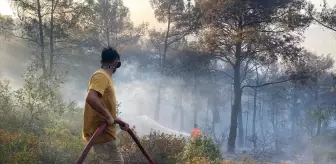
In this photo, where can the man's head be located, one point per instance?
(110, 59)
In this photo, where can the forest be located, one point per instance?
(236, 68)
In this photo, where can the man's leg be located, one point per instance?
(108, 153)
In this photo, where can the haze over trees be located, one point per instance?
(236, 68)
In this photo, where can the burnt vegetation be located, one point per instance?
(236, 68)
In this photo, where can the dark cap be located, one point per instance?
(109, 55)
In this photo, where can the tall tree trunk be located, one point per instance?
(207, 111)
(162, 68)
(215, 118)
(178, 107)
(254, 135)
(175, 111)
(294, 114)
(182, 119)
(158, 102)
(241, 129)
(182, 110)
(245, 143)
(325, 125)
(277, 148)
(195, 98)
(319, 126)
(51, 61)
(41, 36)
(236, 107)
(108, 36)
(319, 121)
(261, 115)
(106, 23)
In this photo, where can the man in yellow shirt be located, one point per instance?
(100, 106)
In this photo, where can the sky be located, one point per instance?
(318, 39)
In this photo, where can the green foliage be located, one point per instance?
(59, 135)
(324, 148)
(6, 25)
(231, 22)
(326, 17)
(7, 115)
(39, 98)
(170, 149)
(109, 24)
(248, 32)
(47, 26)
(18, 147)
(203, 147)
(182, 18)
(37, 107)
(318, 114)
(59, 145)
(164, 148)
(167, 10)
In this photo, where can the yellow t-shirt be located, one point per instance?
(102, 83)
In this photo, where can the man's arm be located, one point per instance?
(93, 99)
(98, 84)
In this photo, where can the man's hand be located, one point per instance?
(110, 120)
(124, 127)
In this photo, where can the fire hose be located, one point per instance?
(100, 131)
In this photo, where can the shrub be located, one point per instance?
(202, 147)
(7, 113)
(58, 139)
(170, 149)
(164, 148)
(39, 99)
(323, 148)
(202, 160)
(59, 145)
(18, 148)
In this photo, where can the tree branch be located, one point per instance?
(226, 74)
(246, 70)
(271, 83)
(324, 25)
(226, 60)
(29, 39)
